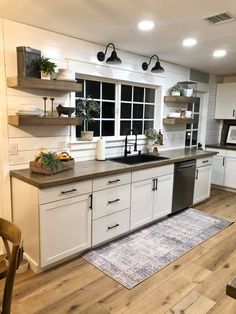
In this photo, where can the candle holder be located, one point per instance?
(52, 99)
(45, 106)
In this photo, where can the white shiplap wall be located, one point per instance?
(79, 56)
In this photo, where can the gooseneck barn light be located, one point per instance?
(113, 59)
(157, 67)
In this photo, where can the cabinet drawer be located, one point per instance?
(110, 226)
(231, 153)
(110, 201)
(64, 191)
(152, 172)
(204, 161)
(111, 181)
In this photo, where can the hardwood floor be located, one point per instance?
(193, 284)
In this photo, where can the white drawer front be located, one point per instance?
(110, 201)
(152, 172)
(204, 161)
(64, 191)
(111, 181)
(110, 226)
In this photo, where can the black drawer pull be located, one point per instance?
(114, 201)
(114, 181)
(69, 191)
(205, 161)
(116, 225)
(197, 174)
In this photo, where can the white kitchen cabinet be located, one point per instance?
(230, 170)
(151, 198)
(141, 203)
(65, 228)
(162, 203)
(202, 184)
(226, 101)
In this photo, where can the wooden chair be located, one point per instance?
(10, 233)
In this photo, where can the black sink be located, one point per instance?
(135, 159)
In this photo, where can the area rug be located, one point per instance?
(137, 256)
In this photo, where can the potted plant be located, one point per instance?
(46, 67)
(154, 140)
(86, 109)
(176, 90)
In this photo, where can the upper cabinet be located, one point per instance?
(226, 101)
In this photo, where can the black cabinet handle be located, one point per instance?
(115, 226)
(114, 201)
(153, 184)
(91, 201)
(223, 161)
(233, 112)
(156, 184)
(205, 161)
(114, 181)
(196, 174)
(69, 191)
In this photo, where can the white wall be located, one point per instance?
(79, 56)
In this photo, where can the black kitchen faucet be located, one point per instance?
(126, 152)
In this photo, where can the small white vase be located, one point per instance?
(86, 136)
(45, 76)
(188, 92)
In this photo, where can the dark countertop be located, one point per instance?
(220, 146)
(94, 169)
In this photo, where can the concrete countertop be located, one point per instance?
(94, 169)
(221, 146)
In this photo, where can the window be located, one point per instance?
(191, 138)
(135, 107)
(104, 94)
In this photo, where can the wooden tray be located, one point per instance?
(36, 167)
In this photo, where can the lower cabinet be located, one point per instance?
(230, 171)
(65, 228)
(202, 184)
(151, 198)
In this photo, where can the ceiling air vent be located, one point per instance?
(219, 18)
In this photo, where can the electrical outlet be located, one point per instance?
(14, 149)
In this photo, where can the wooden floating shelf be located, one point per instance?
(34, 83)
(181, 99)
(174, 121)
(42, 121)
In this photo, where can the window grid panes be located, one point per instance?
(191, 137)
(104, 94)
(137, 108)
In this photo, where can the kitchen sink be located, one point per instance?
(135, 159)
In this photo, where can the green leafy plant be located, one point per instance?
(50, 160)
(86, 109)
(44, 65)
(152, 134)
(177, 88)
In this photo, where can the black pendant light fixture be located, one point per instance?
(113, 59)
(157, 67)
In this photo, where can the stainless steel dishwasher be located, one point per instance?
(184, 178)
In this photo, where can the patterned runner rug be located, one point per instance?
(137, 256)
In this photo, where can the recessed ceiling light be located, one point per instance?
(219, 53)
(146, 25)
(188, 42)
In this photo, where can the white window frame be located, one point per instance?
(118, 83)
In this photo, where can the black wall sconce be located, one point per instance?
(113, 59)
(157, 67)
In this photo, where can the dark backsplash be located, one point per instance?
(225, 129)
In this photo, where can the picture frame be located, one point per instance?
(231, 135)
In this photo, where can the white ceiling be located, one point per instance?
(104, 21)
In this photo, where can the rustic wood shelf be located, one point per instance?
(34, 83)
(43, 121)
(181, 99)
(174, 121)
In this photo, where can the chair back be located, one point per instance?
(10, 233)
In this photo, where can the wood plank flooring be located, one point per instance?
(193, 284)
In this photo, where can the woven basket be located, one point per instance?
(36, 167)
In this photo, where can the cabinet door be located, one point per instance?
(230, 170)
(202, 184)
(218, 170)
(162, 203)
(141, 203)
(226, 101)
(65, 228)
